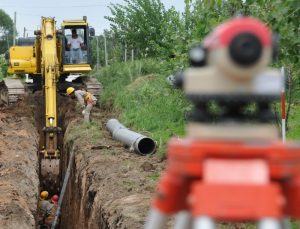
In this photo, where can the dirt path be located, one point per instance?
(18, 169)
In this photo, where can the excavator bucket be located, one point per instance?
(50, 159)
(49, 174)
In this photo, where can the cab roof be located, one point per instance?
(74, 23)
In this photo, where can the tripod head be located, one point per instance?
(231, 69)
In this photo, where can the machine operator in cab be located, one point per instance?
(75, 44)
(86, 100)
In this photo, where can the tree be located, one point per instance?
(145, 25)
(283, 18)
(6, 31)
(3, 67)
(156, 32)
(114, 46)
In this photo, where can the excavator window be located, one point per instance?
(75, 43)
(28, 41)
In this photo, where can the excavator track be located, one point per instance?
(93, 86)
(11, 91)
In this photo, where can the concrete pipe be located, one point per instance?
(139, 143)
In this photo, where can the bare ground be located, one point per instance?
(18, 169)
(111, 187)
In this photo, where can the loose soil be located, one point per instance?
(111, 187)
(18, 168)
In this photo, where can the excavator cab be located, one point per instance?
(75, 42)
(75, 46)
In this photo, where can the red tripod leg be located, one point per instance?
(201, 219)
(292, 193)
(170, 198)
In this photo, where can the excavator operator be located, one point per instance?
(86, 100)
(75, 44)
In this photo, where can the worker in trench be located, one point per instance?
(85, 99)
(47, 209)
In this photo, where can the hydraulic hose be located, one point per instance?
(63, 190)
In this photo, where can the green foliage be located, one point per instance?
(114, 47)
(145, 101)
(293, 131)
(146, 25)
(119, 75)
(3, 67)
(283, 18)
(154, 176)
(6, 31)
(159, 33)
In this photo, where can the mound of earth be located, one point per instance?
(18, 169)
(111, 187)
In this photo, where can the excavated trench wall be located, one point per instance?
(78, 202)
(109, 188)
(18, 168)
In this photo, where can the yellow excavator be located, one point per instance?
(48, 60)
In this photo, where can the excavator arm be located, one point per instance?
(50, 155)
(50, 68)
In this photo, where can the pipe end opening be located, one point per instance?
(146, 146)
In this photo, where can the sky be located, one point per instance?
(29, 12)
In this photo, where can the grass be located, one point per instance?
(91, 131)
(293, 131)
(294, 225)
(154, 176)
(144, 101)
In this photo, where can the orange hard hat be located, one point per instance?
(44, 195)
(54, 199)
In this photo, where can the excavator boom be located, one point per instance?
(50, 155)
(50, 68)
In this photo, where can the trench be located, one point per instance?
(78, 201)
(88, 201)
(73, 214)
(37, 101)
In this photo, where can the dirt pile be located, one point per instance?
(18, 169)
(110, 187)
